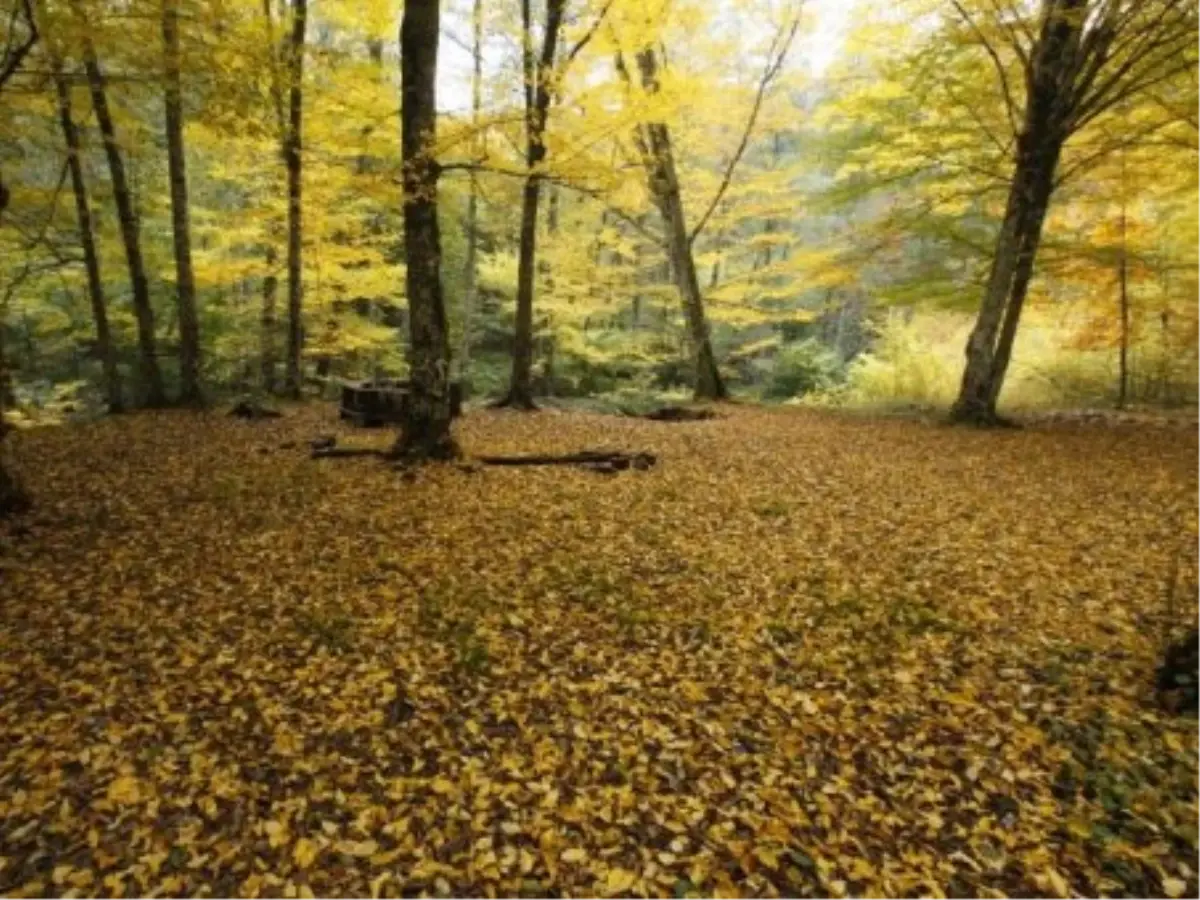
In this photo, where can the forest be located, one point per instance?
(599, 448)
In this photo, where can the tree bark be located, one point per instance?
(87, 241)
(292, 147)
(658, 155)
(537, 106)
(185, 282)
(13, 497)
(469, 279)
(1123, 299)
(1046, 126)
(151, 379)
(426, 430)
(268, 325)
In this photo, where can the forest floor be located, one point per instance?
(801, 655)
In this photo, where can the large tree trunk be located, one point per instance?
(537, 107)
(185, 282)
(1039, 146)
(659, 156)
(13, 498)
(292, 148)
(87, 241)
(150, 374)
(426, 430)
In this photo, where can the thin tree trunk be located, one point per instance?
(185, 282)
(292, 147)
(87, 241)
(269, 325)
(658, 155)
(151, 376)
(468, 310)
(1123, 281)
(426, 431)
(537, 106)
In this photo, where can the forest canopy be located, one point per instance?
(203, 198)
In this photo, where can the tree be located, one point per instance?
(87, 237)
(153, 393)
(426, 431)
(1083, 58)
(295, 236)
(13, 498)
(541, 83)
(185, 283)
(471, 266)
(655, 148)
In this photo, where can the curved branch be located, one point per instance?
(774, 65)
(13, 57)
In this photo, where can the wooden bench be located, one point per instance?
(384, 401)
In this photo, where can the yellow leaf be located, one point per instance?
(124, 790)
(442, 786)
(767, 856)
(387, 858)
(305, 853)
(377, 885)
(277, 833)
(619, 881)
(360, 849)
(574, 855)
(1174, 887)
(1057, 883)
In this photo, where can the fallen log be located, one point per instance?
(679, 414)
(604, 461)
(253, 411)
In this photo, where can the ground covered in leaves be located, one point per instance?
(801, 655)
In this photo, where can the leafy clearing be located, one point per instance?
(801, 655)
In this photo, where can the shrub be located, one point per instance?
(805, 367)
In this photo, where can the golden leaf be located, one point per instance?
(617, 881)
(124, 790)
(1174, 887)
(305, 853)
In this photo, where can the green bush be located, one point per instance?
(805, 367)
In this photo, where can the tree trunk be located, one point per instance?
(292, 147)
(426, 430)
(658, 155)
(13, 498)
(520, 388)
(1039, 146)
(1123, 286)
(468, 310)
(185, 282)
(537, 107)
(87, 241)
(268, 325)
(151, 375)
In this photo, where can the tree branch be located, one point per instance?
(783, 40)
(13, 58)
(587, 37)
(998, 63)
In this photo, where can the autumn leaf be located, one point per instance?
(124, 790)
(304, 853)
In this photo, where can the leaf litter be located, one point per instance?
(804, 655)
